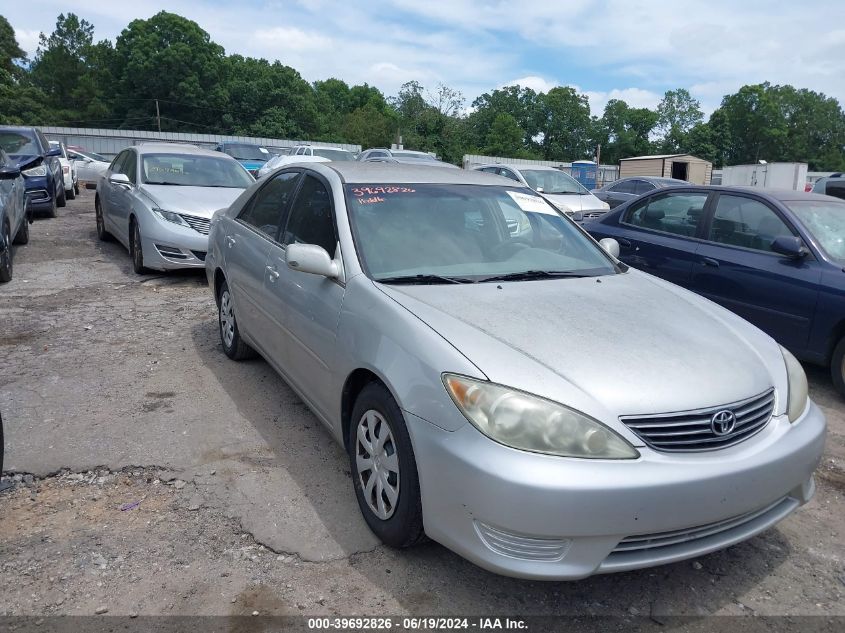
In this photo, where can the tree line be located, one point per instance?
(171, 62)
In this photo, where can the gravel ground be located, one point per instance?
(153, 476)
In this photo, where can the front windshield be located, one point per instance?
(826, 221)
(194, 171)
(333, 154)
(551, 181)
(246, 152)
(470, 232)
(19, 143)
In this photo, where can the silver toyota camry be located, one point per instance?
(521, 397)
(157, 199)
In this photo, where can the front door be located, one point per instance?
(737, 269)
(309, 305)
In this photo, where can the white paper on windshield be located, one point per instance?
(531, 204)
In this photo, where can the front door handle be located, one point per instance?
(230, 241)
(709, 261)
(623, 242)
(274, 274)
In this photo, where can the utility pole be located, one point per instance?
(158, 116)
(598, 167)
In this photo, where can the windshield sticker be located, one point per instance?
(359, 192)
(530, 203)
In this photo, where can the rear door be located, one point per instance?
(248, 240)
(737, 269)
(662, 234)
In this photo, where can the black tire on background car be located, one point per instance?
(61, 199)
(70, 193)
(102, 233)
(22, 236)
(230, 335)
(76, 188)
(384, 469)
(837, 366)
(136, 248)
(5, 253)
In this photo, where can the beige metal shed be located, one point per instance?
(680, 166)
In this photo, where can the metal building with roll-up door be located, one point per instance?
(680, 166)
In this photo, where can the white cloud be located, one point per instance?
(285, 38)
(634, 97)
(537, 84)
(28, 40)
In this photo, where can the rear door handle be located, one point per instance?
(274, 274)
(709, 261)
(230, 241)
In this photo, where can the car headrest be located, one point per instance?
(653, 214)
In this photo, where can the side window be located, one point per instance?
(300, 151)
(626, 186)
(507, 173)
(116, 163)
(310, 220)
(377, 155)
(130, 167)
(265, 212)
(740, 221)
(641, 187)
(677, 213)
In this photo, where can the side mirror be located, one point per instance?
(539, 190)
(9, 173)
(54, 152)
(789, 246)
(121, 180)
(611, 246)
(310, 258)
(578, 216)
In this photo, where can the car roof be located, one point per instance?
(176, 148)
(780, 195)
(341, 149)
(390, 173)
(518, 167)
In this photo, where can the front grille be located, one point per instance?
(694, 430)
(677, 537)
(520, 545)
(200, 225)
(171, 253)
(588, 215)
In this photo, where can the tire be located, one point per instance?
(136, 248)
(22, 236)
(61, 200)
(377, 418)
(837, 366)
(102, 233)
(230, 335)
(76, 188)
(70, 194)
(6, 264)
(53, 212)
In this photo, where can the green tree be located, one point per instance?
(10, 50)
(566, 125)
(677, 113)
(624, 131)
(370, 126)
(170, 58)
(523, 104)
(505, 137)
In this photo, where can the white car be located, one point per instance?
(68, 170)
(559, 188)
(89, 166)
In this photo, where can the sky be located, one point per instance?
(606, 49)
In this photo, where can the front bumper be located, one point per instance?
(39, 196)
(169, 246)
(536, 516)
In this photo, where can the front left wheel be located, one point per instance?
(61, 199)
(22, 236)
(136, 249)
(384, 469)
(837, 367)
(5, 253)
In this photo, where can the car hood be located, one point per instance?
(622, 344)
(199, 201)
(21, 160)
(575, 202)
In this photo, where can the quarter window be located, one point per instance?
(740, 221)
(626, 186)
(266, 211)
(310, 220)
(507, 173)
(677, 213)
(641, 187)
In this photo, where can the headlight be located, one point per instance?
(531, 423)
(796, 400)
(171, 217)
(40, 170)
(605, 206)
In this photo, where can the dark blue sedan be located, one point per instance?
(775, 258)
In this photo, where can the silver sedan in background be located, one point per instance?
(458, 364)
(157, 199)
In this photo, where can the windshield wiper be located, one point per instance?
(536, 274)
(424, 279)
(165, 182)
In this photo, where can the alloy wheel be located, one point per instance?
(137, 253)
(227, 319)
(6, 256)
(377, 463)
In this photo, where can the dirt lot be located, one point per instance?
(154, 476)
